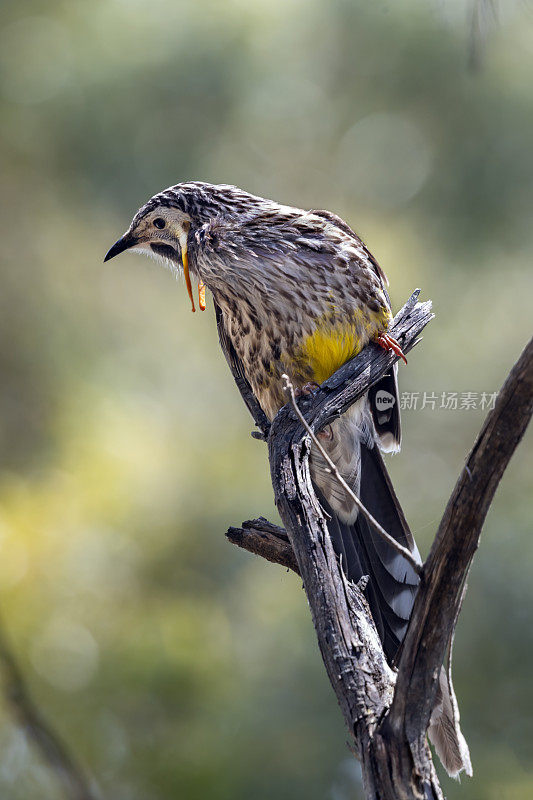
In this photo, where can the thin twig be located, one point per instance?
(403, 551)
(53, 749)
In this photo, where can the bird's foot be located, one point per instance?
(326, 434)
(388, 342)
(307, 390)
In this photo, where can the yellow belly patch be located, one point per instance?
(329, 347)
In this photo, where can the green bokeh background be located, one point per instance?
(176, 665)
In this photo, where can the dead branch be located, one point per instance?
(390, 739)
(439, 597)
(54, 751)
(261, 537)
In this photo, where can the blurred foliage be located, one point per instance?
(176, 665)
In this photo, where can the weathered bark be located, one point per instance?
(438, 600)
(261, 537)
(387, 715)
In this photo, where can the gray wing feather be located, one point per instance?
(238, 372)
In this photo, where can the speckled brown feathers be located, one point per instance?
(298, 292)
(278, 274)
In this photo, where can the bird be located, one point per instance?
(297, 293)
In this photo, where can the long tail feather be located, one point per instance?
(445, 734)
(393, 582)
(391, 590)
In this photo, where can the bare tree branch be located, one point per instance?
(445, 571)
(54, 751)
(261, 537)
(350, 646)
(390, 739)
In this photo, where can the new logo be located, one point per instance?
(384, 400)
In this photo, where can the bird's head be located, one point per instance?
(160, 231)
(162, 227)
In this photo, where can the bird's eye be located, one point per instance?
(159, 222)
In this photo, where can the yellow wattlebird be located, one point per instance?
(299, 293)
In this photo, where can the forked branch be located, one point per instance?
(390, 738)
(445, 571)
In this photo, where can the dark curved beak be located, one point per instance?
(124, 243)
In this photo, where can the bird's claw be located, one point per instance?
(308, 389)
(388, 342)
